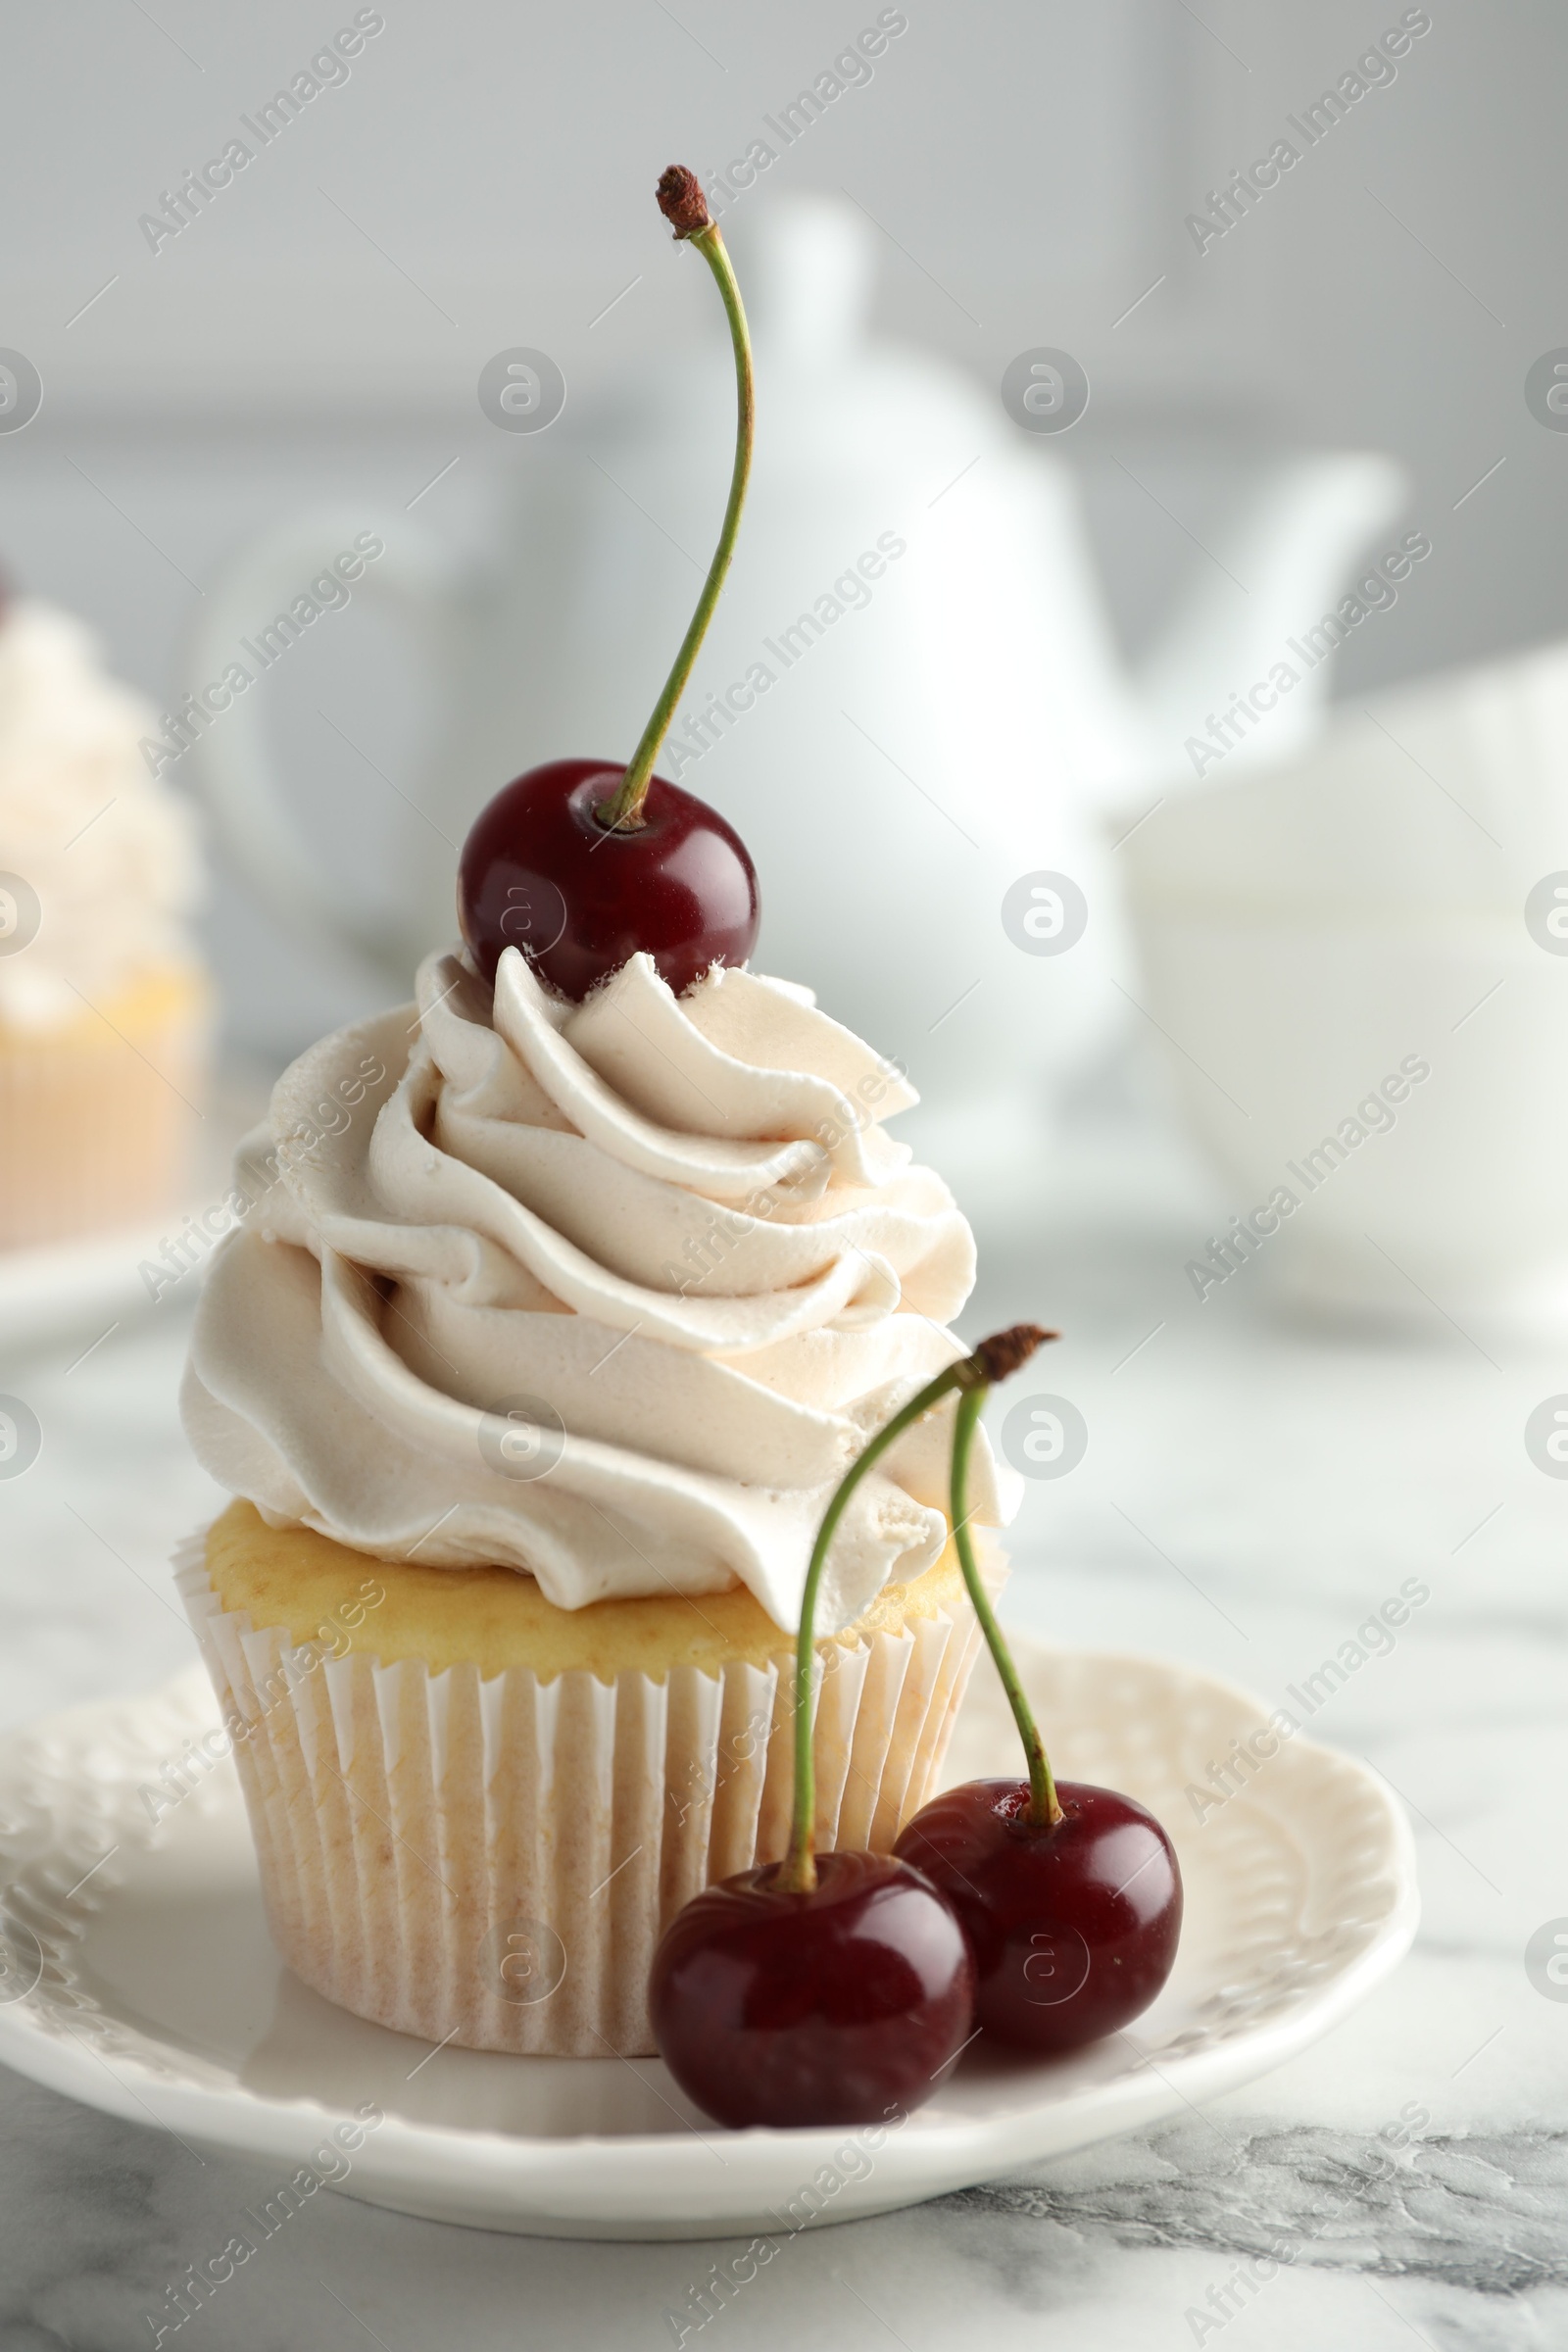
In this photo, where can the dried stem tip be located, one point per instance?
(1005, 1352)
(682, 202)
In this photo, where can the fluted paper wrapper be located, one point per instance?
(492, 1861)
(96, 1132)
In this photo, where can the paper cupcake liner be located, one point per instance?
(96, 1127)
(492, 1861)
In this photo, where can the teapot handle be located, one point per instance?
(234, 768)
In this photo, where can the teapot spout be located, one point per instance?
(1279, 571)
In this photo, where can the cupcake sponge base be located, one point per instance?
(96, 1112)
(487, 1852)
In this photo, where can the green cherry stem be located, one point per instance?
(993, 1359)
(1044, 1809)
(799, 1873)
(682, 202)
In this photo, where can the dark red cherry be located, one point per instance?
(539, 872)
(1073, 1927)
(838, 2005)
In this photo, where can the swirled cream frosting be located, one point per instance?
(108, 851)
(611, 1294)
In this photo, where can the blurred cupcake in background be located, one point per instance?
(104, 1005)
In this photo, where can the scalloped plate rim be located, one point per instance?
(234, 2119)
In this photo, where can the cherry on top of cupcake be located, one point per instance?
(581, 864)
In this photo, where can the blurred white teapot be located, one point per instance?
(910, 703)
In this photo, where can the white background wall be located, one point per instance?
(483, 178)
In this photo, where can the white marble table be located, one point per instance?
(1250, 1496)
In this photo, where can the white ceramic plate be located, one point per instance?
(136, 1974)
(60, 1285)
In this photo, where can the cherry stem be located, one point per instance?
(623, 813)
(799, 1873)
(1045, 1808)
(993, 1359)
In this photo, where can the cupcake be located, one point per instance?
(103, 1004)
(548, 1336)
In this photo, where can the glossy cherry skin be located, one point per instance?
(840, 2006)
(539, 872)
(1073, 1929)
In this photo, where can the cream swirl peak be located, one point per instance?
(610, 1293)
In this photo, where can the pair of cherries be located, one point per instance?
(837, 1989)
(846, 2005)
(831, 1989)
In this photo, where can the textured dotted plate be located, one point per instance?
(136, 1974)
